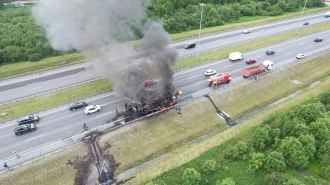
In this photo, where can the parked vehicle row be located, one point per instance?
(26, 123)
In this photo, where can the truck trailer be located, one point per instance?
(257, 69)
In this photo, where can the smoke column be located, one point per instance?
(97, 29)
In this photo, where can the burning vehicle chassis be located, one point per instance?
(157, 103)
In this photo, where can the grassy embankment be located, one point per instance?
(95, 87)
(147, 139)
(15, 69)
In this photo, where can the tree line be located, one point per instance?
(21, 39)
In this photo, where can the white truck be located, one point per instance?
(326, 15)
(236, 56)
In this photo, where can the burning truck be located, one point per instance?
(153, 103)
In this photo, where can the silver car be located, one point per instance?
(210, 72)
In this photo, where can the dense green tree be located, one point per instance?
(209, 166)
(308, 143)
(261, 137)
(257, 161)
(293, 153)
(240, 150)
(320, 132)
(191, 176)
(310, 112)
(274, 162)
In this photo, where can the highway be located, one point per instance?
(34, 84)
(61, 123)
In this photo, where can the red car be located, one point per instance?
(147, 83)
(251, 61)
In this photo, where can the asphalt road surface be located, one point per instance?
(22, 87)
(61, 123)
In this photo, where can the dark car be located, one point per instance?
(191, 45)
(28, 119)
(318, 39)
(24, 129)
(270, 52)
(147, 83)
(78, 105)
(306, 23)
(251, 61)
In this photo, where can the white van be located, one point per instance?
(236, 56)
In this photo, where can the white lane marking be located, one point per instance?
(34, 88)
(103, 114)
(228, 65)
(193, 76)
(237, 70)
(300, 43)
(102, 105)
(310, 46)
(201, 82)
(257, 56)
(289, 53)
(280, 50)
(8, 125)
(35, 137)
(86, 75)
(53, 112)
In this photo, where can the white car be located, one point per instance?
(92, 108)
(210, 72)
(300, 56)
(246, 31)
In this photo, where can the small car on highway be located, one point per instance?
(251, 61)
(28, 119)
(25, 128)
(300, 56)
(318, 39)
(147, 83)
(246, 31)
(92, 108)
(306, 23)
(270, 52)
(210, 72)
(77, 105)
(190, 45)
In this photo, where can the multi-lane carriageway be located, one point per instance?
(61, 123)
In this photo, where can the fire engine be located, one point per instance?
(215, 81)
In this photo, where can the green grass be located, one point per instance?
(224, 52)
(38, 103)
(21, 68)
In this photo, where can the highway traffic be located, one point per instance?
(60, 123)
(22, 87)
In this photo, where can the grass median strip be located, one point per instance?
(247, 46)
(144, 140)
(21, 68)
(41, 102)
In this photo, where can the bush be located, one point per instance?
(276, 178)
(209, 166)
(227, 181)
(274, 162)
(191, 176)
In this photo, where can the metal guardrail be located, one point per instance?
(107, 127)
